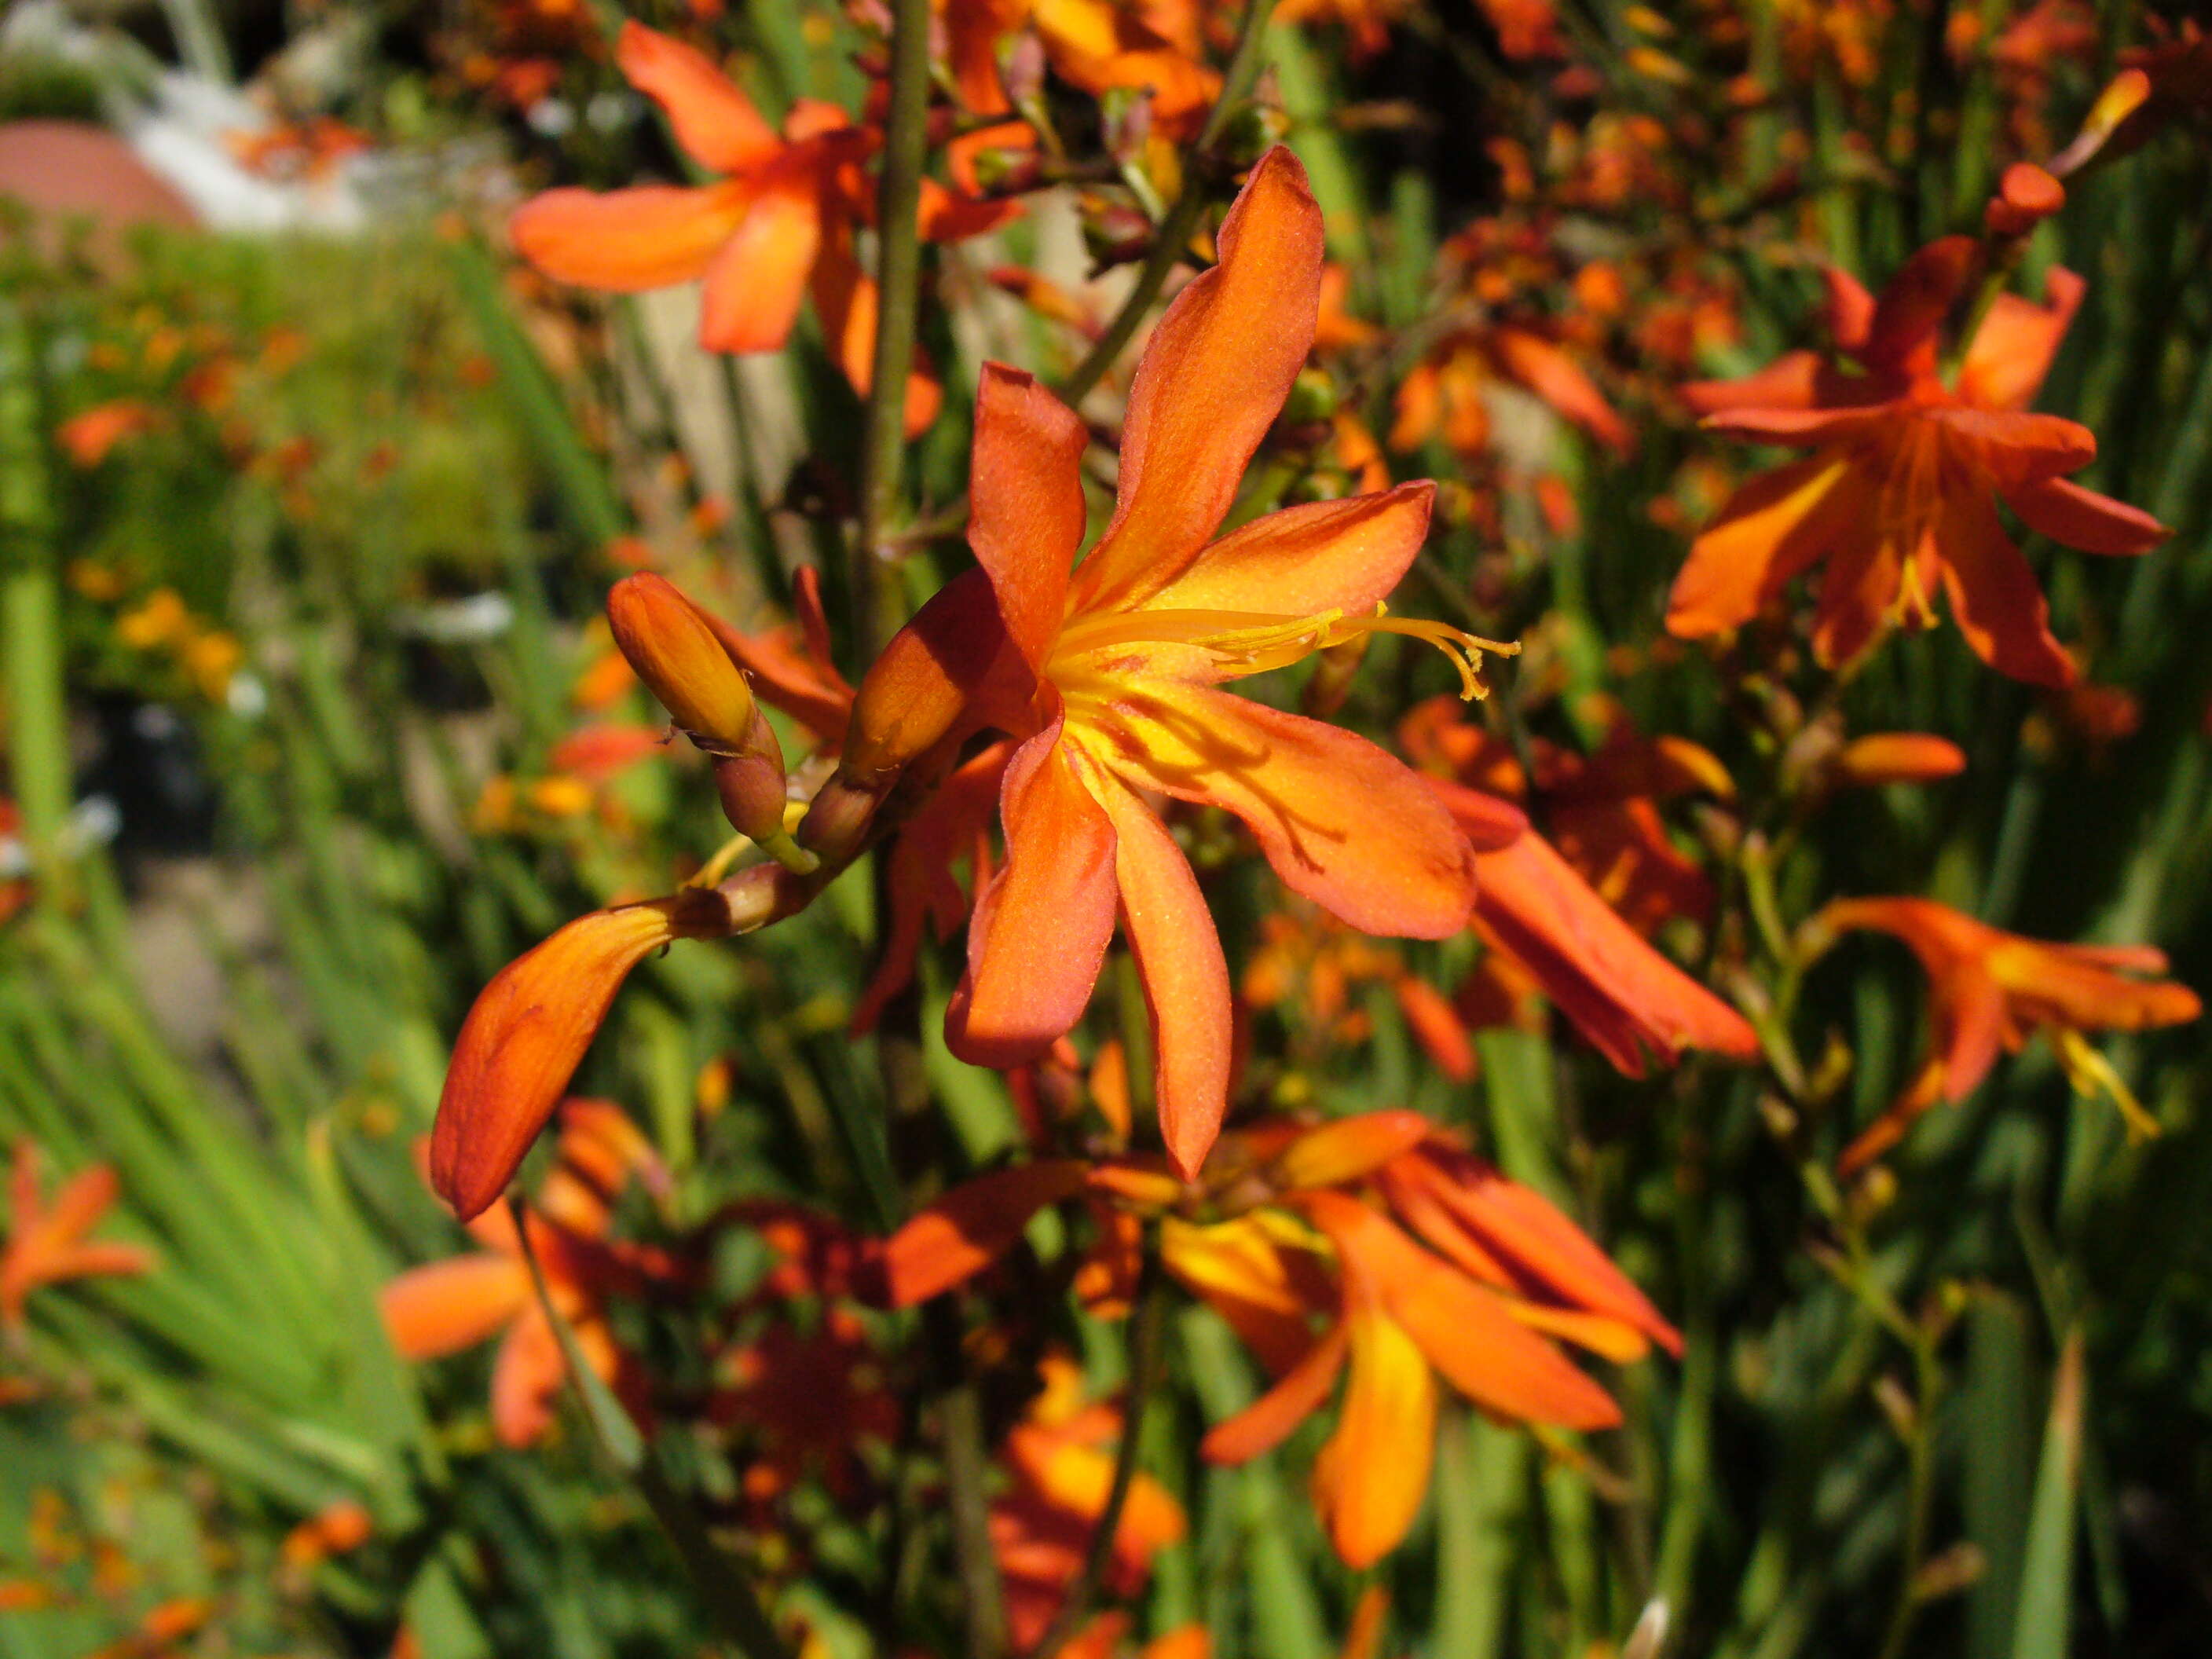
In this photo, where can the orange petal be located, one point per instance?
(2065, 512)
(78, 1206)
(1437, 1026)
(526, 1379)
(443, 1306)
(2010, 353)
(1369, 1478)
(1213, 379)
(1025, 482)
(1246, 1277)
(756, 283)
(715, 123)
(1998, 603)
(1793, 380)
(970, 1227)
(627, 240)
(1915, 301)
(1042, 927)
(526, 1033)
(1621, 994)
(845, 300)
(950, 671)
(1463, 1327)
(1344, 1151)
(1773, 527)
(1186, 979)
(1899, 757)
(1275, 1415)
(1803, 427)
(1551, 1257)
(1321, 555)
(1543, 369)
(1341, 822)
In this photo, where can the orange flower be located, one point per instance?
(444, 1307)
(1094, 44)
(1107, 673)
(1061, 1471)
(46, 1245)
(1897, 494)
(1280, 1230)
(781, 218)
(1445, 390)
(1992, 990)
(87, 438)
(1620, 992)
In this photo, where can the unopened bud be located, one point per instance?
(1898, 757)
(2025, 196)
(681, 662)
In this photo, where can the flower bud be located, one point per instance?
(2025, 196)
(684, 663)
(1898, 757)
(681, 663)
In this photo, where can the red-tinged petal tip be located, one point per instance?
(526, 1033)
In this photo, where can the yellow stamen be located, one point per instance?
(2092, 1074)
(1246, 642)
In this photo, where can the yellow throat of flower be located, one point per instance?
(1243, 642)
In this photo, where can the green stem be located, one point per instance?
(967, 1471)
(30, 616)
(898, 274)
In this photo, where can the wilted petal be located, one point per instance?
(1025, 482)
(1213, 380)
(1042, 927)
(627, 240)
(970, 1227)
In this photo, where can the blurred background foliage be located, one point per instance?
(291, 661)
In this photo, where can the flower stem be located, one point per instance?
(898, 272)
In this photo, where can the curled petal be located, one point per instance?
(1213, 379)
(526, 1033)
(715, 123)
(970, 1227)
(627, 240)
